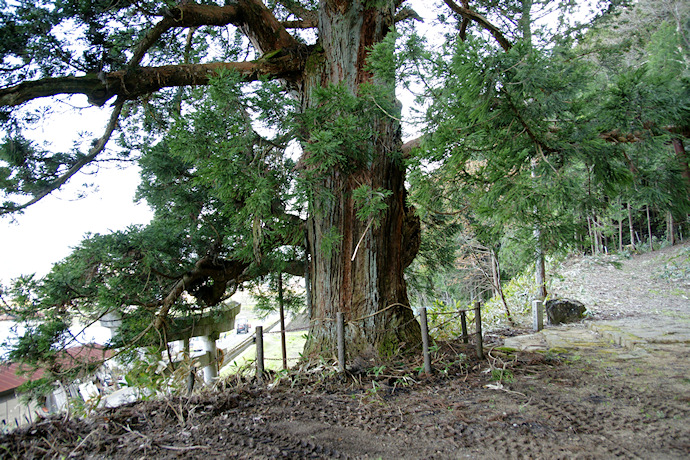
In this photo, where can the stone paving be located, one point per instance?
(636, 335)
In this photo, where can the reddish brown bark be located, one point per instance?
(144, 80)
(365, 282)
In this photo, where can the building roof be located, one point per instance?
(9, 380)
(71, 357)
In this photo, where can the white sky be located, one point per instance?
(47, 231)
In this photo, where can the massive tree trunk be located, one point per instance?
(362, 274)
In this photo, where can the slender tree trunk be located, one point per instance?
(592, 236)
(670, 230)
(540, 275)
(498, 286)
(630, 225)
(281, 306)
(368, 285)
(649, 230)
(682, 155)
(525, 26)
(620, 226)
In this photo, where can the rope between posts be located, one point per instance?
(380, 311)
(363, 317)
(454, 312)
(424, 344)
(415, 317)
(287, 330)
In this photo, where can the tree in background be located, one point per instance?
(508, 132)
(537, 145)
(643, 57)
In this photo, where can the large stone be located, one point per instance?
(561, 311)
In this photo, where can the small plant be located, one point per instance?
(280, 375)
(502, 375)
(377, 370)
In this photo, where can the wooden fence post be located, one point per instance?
(281, 307)
(478, 323)
(192, 372)
(425, 340)
(463, 323)
(259, 352)
(340, 326)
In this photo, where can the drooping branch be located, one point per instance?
(137, 82)
(484, 23)
(95, 150)
(222, 272)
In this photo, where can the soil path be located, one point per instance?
(587, 398)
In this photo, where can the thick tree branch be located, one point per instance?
(407, 13)
(299, 11)
(467, 13)
(208, 281)
(262, 28)
(137, 82)
(221, 271)
(299, 24)
(251, 16)
(410, 145)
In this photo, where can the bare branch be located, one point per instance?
(482, 21)
(251, 16)
(299, 11)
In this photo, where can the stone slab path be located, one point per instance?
(627, 334)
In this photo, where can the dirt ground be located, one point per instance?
(591, 402)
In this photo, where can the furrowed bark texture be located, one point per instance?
(369, 288)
